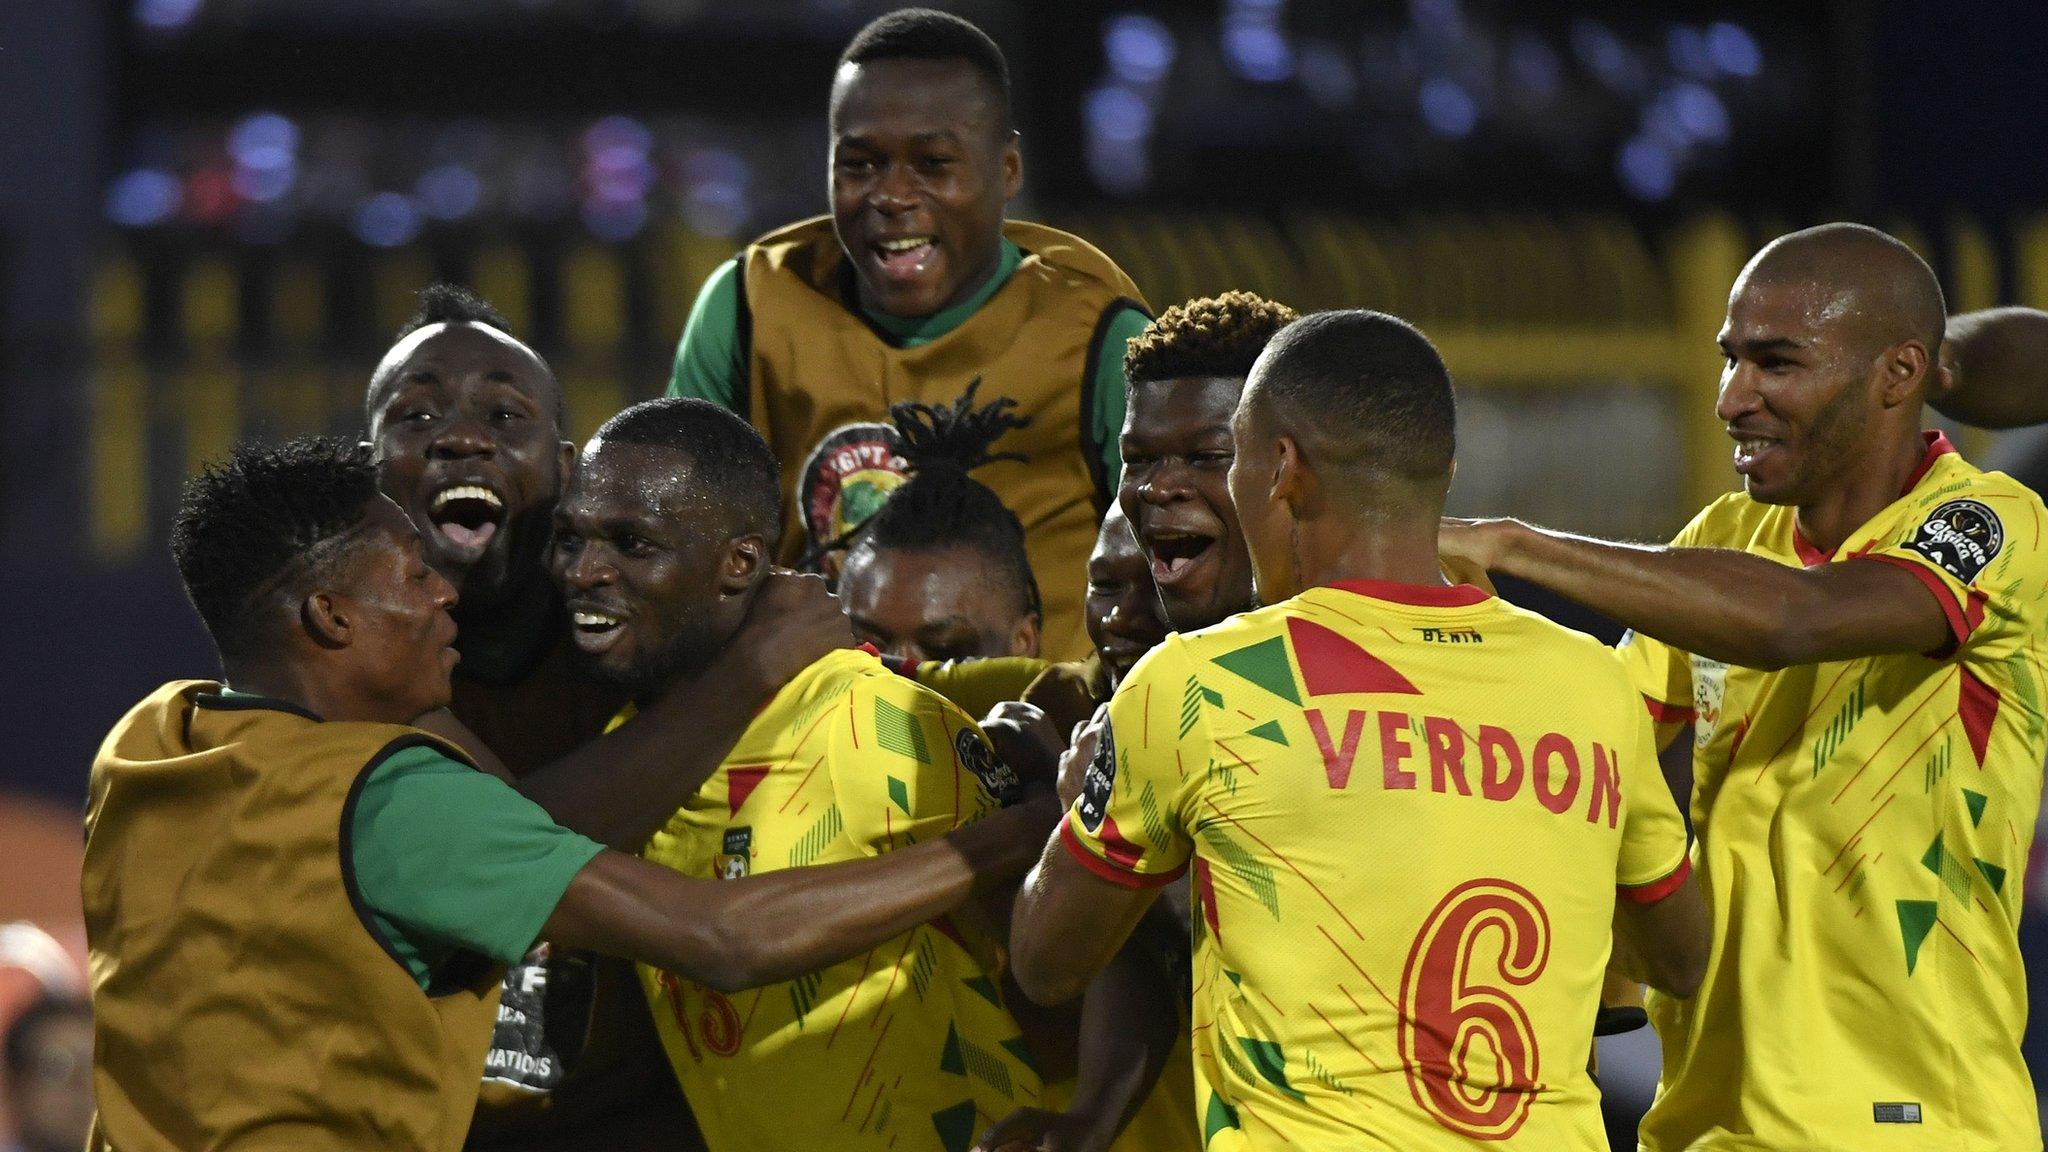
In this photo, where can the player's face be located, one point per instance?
(654, 587)
(921, 169)
(402, 637)
(1122, 606)
(1177, 449)
(463, 423)
(936, 604)
(1797, 389)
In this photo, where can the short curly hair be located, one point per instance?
(1211, 336)
(265, 518)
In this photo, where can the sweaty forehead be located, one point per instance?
(908, 96)
(1770, 307)
(630, 480)
(458, 352)
(1189, 406)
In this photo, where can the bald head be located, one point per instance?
(1866, 283)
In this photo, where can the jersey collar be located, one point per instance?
(1938, 445)
(1421, 595)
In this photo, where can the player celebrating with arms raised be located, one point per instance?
(1407, 841)
(1857, 635)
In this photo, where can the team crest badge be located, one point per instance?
(1098, 783)
(846, 479)
(731, 864)
(1960, 538)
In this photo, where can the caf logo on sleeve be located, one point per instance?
(1961, 537)
(997, 777)
(1096, 785)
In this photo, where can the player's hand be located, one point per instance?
(1026, 741)
(1476, 542)
(1034, 1130)
(794, 622)
(1074, 765)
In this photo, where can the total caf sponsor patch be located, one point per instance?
(1098, 783)
(1961, 538)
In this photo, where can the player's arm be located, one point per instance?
(1068, 924)
(1719, 603)
(1997, 362)
(737, 934)
(1664, 942)
(1095, 880)
(1128, 1026)
(621, 787)
(710, 361)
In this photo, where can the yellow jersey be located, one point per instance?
(1408, 811)
(1863, 826)
(907, 1046)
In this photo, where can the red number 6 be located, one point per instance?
(1467, 1045)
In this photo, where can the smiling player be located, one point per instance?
(1856, 636)
(915, 286)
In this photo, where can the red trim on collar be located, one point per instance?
(1426, 595)
(1937, 446)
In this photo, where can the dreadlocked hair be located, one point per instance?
(1211, 336)
(941, 506)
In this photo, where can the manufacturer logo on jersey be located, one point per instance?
(999, 778)
(1895, 1113)
(1095, 786)
(1961, 537)
(731, 864)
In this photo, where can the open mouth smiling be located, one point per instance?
(467, 515)
(1174, 555)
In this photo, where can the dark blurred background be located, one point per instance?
(214, 212)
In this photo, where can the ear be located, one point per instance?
(1013, 167)
(326, 618)
(1293, 484)
(1024, 638)
(1904, 374)
(565, 457)
(746, 562)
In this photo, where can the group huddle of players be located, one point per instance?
(649, 852)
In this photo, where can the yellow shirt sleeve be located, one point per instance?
(1653, 843)
(1128, 824)
(1661, 673)
(1977, 552)
(907, 765)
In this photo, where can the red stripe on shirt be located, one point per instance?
(1662, 713)
(1115, 874)
(1960, 624)
(1655, 890)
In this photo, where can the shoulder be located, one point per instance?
(1078, 262)
(808, 249)
(1728, 522)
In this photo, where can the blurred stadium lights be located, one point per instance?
(1448, 109)
(166, 15)
(387, 220)
(1733, 50)
(448, 192)
(1254, 44)
(144, 197)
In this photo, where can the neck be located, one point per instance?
(310, 688)
(1871, 482)
(488, 620)
(1360, 546)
